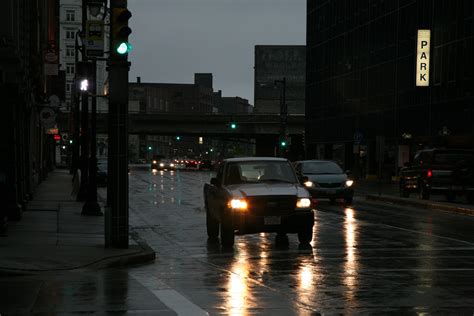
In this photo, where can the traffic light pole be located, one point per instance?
(117, 186)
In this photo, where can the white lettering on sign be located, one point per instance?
(423, 58)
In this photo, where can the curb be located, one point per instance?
(144, 254)
(435, 206)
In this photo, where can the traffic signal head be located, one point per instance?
(233, 125)
(283, 143)
(120, 31)
(178, 138)
(149, 148)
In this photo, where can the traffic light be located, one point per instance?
(283, 143)
(120, 32)
(178, 138)
(233, 125)
(150, 148)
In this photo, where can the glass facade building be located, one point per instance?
(361, 99)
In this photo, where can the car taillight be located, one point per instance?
(429, 174)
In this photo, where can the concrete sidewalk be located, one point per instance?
(53, 235)
(388, 192)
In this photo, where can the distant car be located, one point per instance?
(205, 165)
(439, 171)
(257, 194)
(162, 164)
(326, 180)
(192, 164)
(102, 168)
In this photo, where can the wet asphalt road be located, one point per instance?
(365, 259)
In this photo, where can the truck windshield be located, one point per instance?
(259, 171)
(453, 157)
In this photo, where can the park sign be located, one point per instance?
(423, 58)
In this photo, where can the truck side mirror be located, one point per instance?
(214, 181)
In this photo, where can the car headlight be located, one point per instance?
(303, 203)
(171, 164)
(308, 184)
(154, 161)
(238, 204)
(162, 164)
(349, 183)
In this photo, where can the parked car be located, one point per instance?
(439, 171)
(326, 180)
(252, 195)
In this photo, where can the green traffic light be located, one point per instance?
(124, 48)
(149, 148)
(178, 137)
(283, 143)
(233, 126)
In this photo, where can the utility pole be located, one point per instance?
(118, 66)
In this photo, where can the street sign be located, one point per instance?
(95, 38)
(47, 117)
(51, 62)
(423, 58)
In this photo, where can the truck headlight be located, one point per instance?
(303, 203)
(349, 183)
(238, 204)
(308, 184)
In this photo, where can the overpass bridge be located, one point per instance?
(248, 126)
(264, 128)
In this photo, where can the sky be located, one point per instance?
(173, 39)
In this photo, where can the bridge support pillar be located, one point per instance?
(266, 146)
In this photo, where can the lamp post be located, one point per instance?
(92, 207)
(282, 142)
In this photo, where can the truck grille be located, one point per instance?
(271, 205)
(330, 185)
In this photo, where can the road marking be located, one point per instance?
(178, 303)
(171, 298)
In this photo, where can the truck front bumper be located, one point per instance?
(245, 223)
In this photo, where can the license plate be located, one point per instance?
(271, 220)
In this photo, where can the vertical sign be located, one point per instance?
(95, 38)
(423, 58)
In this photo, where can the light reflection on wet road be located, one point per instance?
(363, 259)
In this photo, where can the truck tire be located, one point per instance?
(227, 232)
(404, 191)
(305, 235)
(212, 225)
(423, 192)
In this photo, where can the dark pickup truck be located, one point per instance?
(439, 171)
(252, 195)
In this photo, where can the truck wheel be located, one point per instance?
(451, 196)
(212, 226)
(227, 232)
(470, 198)
(423, 192)
(403, 190)
(305, 235)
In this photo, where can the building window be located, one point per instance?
(70, 15)
(68, 86)
(70, 51)
(70, 34)
(70, 69)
